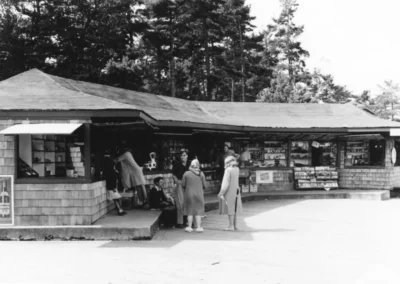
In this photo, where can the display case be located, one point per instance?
(300, 153)
(357, 153)
(329, 154)
(48, 154)
(275, 154)
(316, 177)
(52, 156)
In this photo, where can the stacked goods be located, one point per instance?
(318, 177)
(76, 158)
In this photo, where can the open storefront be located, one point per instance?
(52, 144)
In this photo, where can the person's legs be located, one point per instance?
(144, 194)
(198, 223)
(117, 203)
(231, 223)
(190, 222)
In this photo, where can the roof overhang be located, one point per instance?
(41, 128)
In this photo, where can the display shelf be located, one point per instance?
(315, 177)
(357, 153)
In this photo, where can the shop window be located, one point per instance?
(365, 153)
(324, 154)
(47, 156)
(300, 154)
(263, 154)
(275, 154)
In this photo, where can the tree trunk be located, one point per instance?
(172, 76)
(242, 61)
(207, 58)
(172, 60)
(233, 91)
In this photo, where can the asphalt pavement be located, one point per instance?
(287, 241)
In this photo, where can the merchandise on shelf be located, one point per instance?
(300, 153)
(357, 153)
(316, 177)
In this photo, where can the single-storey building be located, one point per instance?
(53, 132)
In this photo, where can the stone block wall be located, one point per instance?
(7, 148)
(283, 181)
(365, 178)
(59, 204)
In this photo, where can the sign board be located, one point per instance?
(315, 144)
(264, 176)
(394, 155)
(6, 200)
(395, 132)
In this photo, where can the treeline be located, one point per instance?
(193, 49)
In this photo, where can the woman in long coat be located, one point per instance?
(194, 184)
(230, 200)
(177, 174)
(131, 174)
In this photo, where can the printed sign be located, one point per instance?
(264, 176)
(6, 200)
(315, 144)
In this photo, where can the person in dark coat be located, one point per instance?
(177, 173)
(160, 201)
(110, 175)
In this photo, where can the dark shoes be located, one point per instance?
(121, 213)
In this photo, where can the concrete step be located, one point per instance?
(136, 225)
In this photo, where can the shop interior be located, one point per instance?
(50, 156)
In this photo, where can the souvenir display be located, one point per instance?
(316, 177)
(300, 153)
(55, 155)
(357, 152)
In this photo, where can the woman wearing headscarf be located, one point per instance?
(132, 175)
(177, 174)
(194, 184)
(230, 200)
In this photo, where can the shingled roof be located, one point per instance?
(37, 91)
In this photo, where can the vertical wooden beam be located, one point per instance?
(88, 150)
(16, 156)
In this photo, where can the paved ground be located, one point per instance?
(302, 241)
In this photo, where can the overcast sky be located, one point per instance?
(357, 41)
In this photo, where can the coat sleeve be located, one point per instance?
(122, 157)
(225, 182)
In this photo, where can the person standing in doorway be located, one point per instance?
(230, 200)
(177, 173)
(132, 176)
(109, 174)
(194, 184)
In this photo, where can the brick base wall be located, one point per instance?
(283, 181)
(60, 204)
(385, 178)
